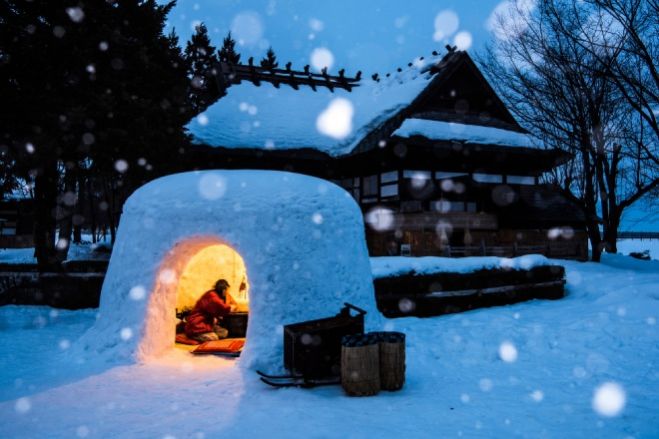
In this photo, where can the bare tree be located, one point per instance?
(560, 88)
(622, 37)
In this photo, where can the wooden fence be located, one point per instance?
(558, 249)
(638, 235)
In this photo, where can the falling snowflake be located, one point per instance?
(121, 166)
(446, 23)
(463, 40)
(167, 276)
(212, 186)
(202, 119)
(406, 305)
(336, 120)
(609, 399)
(137, 293)
(23, 405)
(82, 431)
(316, 25)
(485, 384)
(380, 219)
(126, 334)
(537, 395)
(247, 28)
(508, 352)
(321, 57)
(75, 14)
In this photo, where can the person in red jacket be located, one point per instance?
(202, 323)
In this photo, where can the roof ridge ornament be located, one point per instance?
(235, 73)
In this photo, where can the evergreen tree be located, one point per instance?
(228, 51)
(270, 60)
(95, 82)
(201, 58)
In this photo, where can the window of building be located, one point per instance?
(444, 175)
(487, 178)
(370, 186)
(441, 206)
(389, 177)
(445, 206)
(389, 190)
(351, 185)
(425, 175)
(520, 179)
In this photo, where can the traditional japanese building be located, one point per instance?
(434, 158)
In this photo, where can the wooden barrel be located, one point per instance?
(392, 360)
(360, 365)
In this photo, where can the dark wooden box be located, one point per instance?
(236, 324)
(313, 348)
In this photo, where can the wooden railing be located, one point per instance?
(457, 220)
(638, 235)
(551, 249)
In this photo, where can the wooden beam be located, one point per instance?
(494, 290)
(235, 73)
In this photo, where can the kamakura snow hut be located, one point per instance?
(430, 152)
(298, 240)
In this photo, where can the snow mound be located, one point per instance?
(301, 239)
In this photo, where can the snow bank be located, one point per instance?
(438, 130)
(77, 252)
(301, 238)
(283, 118)
(390, 266)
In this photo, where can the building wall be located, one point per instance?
(506, 243)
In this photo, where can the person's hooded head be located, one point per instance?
(221, 288)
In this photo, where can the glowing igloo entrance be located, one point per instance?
(190, 270)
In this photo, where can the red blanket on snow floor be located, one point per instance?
(183, 339)
(230, 346)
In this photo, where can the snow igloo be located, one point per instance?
(295, 242)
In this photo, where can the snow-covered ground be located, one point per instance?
(85, 251)
(584, 366)
(627, 246)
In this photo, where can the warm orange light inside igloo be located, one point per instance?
(200, 321)
(205, 268)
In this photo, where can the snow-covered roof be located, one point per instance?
(476, 134)
(289, 229)
(271, 118)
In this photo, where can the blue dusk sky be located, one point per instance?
(368, 35)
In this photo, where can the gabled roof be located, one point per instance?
(269, 117)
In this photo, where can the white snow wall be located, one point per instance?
(302, 240)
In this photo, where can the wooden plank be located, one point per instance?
(494, 290)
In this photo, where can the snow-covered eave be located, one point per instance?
(466, 133)
(308, 152)
(482, 146)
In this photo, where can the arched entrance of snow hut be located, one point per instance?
(189, 270)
